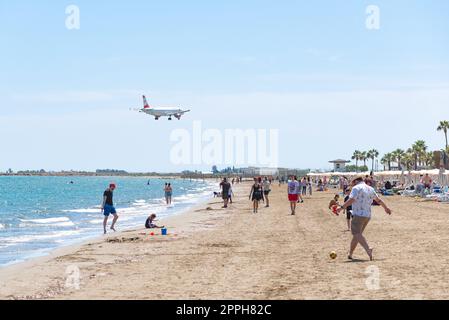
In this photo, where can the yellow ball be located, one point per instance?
(333, 255)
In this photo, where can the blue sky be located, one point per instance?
(310, 69)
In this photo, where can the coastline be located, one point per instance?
(178, 224)
(64, 249)
(81, 219)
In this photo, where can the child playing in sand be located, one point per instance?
(334, 203)
(149, 224)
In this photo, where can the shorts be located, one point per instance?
(349, 214)
(108, 209)
(267, 192)
(359, 224)
(293, 197)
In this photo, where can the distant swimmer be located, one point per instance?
(108, 207)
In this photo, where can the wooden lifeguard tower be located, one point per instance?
(339, 165)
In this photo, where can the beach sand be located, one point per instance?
(235, 254)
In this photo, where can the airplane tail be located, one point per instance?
(145, 103)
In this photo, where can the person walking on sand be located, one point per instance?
(304, 187)
(230, 194)
(293, 193)
(300, 188)
(225, 186)
(309, 186)
(256, 194)
(107, 207)
(361, 200)
(266, 191)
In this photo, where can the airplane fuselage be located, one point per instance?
(162, 112)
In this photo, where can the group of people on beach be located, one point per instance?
(260, 191)
(359, 197)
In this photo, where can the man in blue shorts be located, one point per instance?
(108, 207)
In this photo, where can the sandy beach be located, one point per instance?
(215, 253)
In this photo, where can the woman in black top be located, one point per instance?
(256, 194)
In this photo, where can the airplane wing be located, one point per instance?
(179, 114)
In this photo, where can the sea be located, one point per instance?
(40, 214)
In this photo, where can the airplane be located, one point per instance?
(161, 112)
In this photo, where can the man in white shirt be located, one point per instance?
(361, 200)
(293, 191)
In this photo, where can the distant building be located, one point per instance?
(339, 165)
(253, 171)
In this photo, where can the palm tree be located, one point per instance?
(429, 157)
(408, 159)
(386, 160)
(364, 157)
(372, 154)
(398, 154)
(356, 156)
(444, 126)
(419, 148)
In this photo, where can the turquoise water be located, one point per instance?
(38, 214)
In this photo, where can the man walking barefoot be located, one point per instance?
(293, 193)
(361, 200)
(225, 186)
(108, 207)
